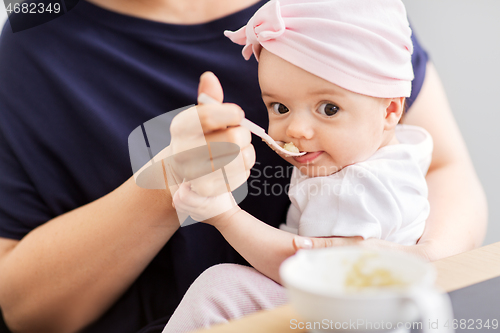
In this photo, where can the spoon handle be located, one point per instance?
(254, 128)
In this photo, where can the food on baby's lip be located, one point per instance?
(291, 147)
(361, 276)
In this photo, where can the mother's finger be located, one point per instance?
(249, 156)
(214, 117)
(238, 135)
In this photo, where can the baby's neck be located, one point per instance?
(393, 141)
(390, 139)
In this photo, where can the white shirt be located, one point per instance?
(383, 197)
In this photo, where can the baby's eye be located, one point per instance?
(279, 108)
(328, 109)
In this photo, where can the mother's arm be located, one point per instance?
(69, 271)
(458, 217)
(459, 212)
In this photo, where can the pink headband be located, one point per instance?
(361, 45)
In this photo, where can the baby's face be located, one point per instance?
(336, 127)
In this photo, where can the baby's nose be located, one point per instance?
(300, 127)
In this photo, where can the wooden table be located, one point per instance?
(452, 273)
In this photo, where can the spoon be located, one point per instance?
(252, 127)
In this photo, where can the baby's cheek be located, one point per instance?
(366, 147)
(351, 148)
(275, 130)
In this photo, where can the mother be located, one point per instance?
(81, 246)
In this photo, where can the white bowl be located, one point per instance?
(315, 283)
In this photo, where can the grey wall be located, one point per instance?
(463, 40)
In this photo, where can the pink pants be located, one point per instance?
(224, 292)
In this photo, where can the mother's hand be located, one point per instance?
(208, 148)
(299, 243)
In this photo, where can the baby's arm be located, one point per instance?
(262, 245)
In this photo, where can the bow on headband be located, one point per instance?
(265, 25)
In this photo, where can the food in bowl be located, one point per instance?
(360, 276)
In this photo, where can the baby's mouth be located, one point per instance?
(309, 157)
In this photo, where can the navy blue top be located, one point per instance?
(73, 89)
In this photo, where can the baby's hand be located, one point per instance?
(300, 243)
(211, 210)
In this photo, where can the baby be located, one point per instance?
(334, 75)
(362, 175)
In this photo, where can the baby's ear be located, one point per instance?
(393, 112)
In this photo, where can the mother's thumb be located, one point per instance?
(210, 85)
